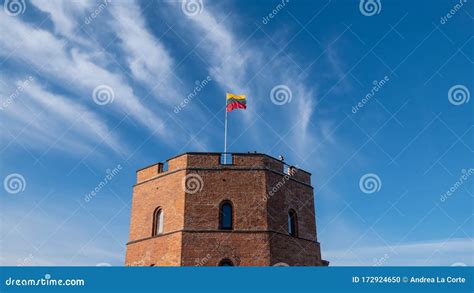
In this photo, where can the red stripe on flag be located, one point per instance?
(235, 105)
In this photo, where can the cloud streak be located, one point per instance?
(73, 68)
(56, 121)
(148, 59)
(423, 253)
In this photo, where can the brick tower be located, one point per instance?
(201, 210)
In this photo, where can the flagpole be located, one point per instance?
(225, 134)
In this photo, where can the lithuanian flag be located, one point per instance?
(235, 102)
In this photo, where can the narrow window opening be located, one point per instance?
(225, 215)
(292, 223)
(157, 222)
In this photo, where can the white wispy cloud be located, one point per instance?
(229, 65)
(440, 252)
(148, 59)
(63, 15)
(74, 69)
(81, 119)
(55, 121)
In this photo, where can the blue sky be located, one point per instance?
(371, 98)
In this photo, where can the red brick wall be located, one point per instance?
(293, 251)
(159, 251)
(285, 194)
(165, 192)
(209, 248)
(148, 172)
(245, 189)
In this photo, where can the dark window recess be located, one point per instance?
(292, 223)
(226, 263)
(225, 215)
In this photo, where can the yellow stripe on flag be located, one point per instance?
(232, 96)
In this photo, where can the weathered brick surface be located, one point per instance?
(203, 160)
(178, 163)
(293, 251)
(245, 189)
(165, 192)
(159, 251)
(285, 194)
(261, 196)
(148, 172)
(209, 248)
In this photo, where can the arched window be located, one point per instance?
(157, 222)
(225, 215)
(226, 263)
(292, 223)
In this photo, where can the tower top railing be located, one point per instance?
(215, 160)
